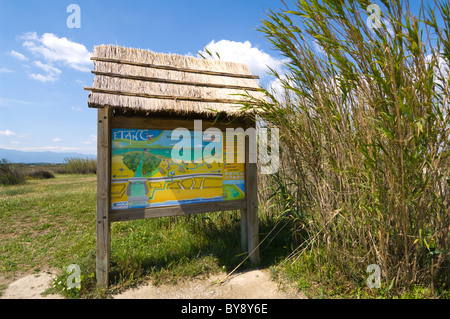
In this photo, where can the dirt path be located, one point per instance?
(254, 284)
(30, 287)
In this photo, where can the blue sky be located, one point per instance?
(44, 64)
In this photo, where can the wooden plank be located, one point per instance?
(172, 68)
(167, 97)
(152, 212)
(156, 123)
(103, 195)
(168, 81)
(244, 229)
(251, 194)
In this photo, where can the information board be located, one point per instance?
(146, 171)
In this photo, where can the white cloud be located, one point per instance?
(15, 142)
(91, 140)
(29, 36)
(7, 133)
(43, 78)
(276, 88)
(441, 67)
(279, 88)
(243, 52)
(318, 48)
(46, 67)
(55, 49)
(7, 102)
(5, 70)
(25, 135)
(28, 44)
(18, 55)
(441, 70)
(57, 139)
(76, 109)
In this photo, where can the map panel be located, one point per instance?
(145, 172)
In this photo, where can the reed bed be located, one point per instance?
(364, 128)
(80, 165)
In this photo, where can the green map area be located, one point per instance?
(141, 163)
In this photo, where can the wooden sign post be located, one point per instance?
(103, 195)
(137, 176)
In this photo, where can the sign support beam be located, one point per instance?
(250, 214)
(103, 195)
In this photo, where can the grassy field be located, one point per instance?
(51, 224)
(46, 222)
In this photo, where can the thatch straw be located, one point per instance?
(142, 80)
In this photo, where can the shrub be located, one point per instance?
(40, 174)
(59, 169)
(10, 174)
(80, 165)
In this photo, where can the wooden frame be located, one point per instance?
(105, 216)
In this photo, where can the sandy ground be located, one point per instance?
(30, 287)
(254, 284)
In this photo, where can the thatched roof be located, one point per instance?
(141, 80)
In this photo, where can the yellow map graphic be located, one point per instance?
(143, 173)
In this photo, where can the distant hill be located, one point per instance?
(14, 156)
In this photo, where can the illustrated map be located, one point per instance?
(145, 172)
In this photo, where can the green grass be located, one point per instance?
(51, 224)
(46, 222)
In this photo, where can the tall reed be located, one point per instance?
(364, 127)
(80, 165)
(10, 174)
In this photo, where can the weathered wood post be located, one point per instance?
(251, 194)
